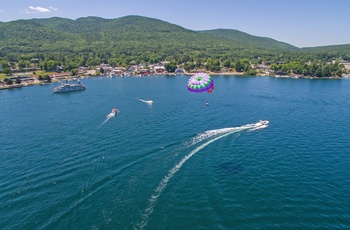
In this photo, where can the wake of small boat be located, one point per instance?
(213, 135)
(105, 121)
(148, 102)
(109, 116)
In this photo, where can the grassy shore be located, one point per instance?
(29, 74)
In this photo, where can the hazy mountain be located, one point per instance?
(331, 48)
(249, 40)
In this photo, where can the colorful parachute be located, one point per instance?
(200, 82)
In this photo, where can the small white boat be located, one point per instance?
(65, 87)
(115, 111)
(262, 122)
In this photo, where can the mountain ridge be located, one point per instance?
(91, 28)
(239, 35)
(142, 37)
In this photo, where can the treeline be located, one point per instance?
(72, 62)
(314, 69)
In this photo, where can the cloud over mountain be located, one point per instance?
(39, 9)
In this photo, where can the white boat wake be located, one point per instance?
(215, 135)
(110, 115)
(148, 102)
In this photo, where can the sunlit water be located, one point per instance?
(176, 163)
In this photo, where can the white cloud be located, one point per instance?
(53, 8)
(38, 9)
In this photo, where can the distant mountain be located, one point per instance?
(130, 28)
(250, 40)
(131, 36)
(28, 36)
(332, 48)
(96, 28)
(25, 30)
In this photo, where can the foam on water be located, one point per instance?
(148, 102)
(215, 135)
(212, 133)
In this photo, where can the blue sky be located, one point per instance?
(302, 23)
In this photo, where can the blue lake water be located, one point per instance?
(156, 167)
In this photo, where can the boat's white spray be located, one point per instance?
(219, 133)
(148, 102)
(109, 116)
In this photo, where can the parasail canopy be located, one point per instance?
(200, 82)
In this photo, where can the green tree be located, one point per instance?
(4, 64)
(226, 64)
(6, 71)
(318, 72)
(74, 72)
(47, 78)
(23, 64)
(170, 67)
(51, 65)
(9, 82)
(327, 71)
(189, 66)
(112, 62)
(18, 81)
(238, 66)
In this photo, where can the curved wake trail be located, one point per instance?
(219, 133)
(109, 116)
(105, 121)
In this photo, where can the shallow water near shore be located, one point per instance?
(176, 163)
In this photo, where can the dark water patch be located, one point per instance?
(231, 168)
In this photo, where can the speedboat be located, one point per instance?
(115, 111)
(69, 88)
(261, 123)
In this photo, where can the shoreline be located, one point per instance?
(233, 74)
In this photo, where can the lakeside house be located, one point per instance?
(158, 70)
(138, 70)
(346, 65)
(23, 79)
(60, 75)
(179, 71)
(17, 70)
(82, 69)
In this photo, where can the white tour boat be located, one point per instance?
(66, 87)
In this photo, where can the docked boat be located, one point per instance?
(66, 87)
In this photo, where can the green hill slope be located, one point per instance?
(249, 40)
(135, 37)
(334, 50)
(27, 36)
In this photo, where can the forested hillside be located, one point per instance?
(135, 39)
(138, 37)
(247, 40)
